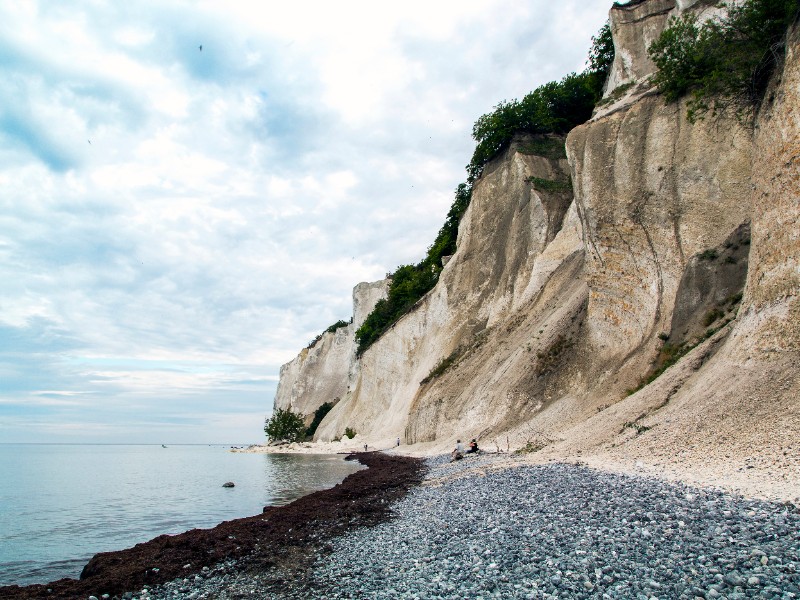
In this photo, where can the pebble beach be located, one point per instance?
(486, 527)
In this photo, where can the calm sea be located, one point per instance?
(60, 504)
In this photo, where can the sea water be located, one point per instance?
(61, 504)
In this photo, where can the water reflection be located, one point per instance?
(290, 476)
(62, 504)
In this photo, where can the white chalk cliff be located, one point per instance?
(321, 372)
(557, 305)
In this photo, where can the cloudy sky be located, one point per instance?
(178, 222)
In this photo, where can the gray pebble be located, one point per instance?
(551, 531)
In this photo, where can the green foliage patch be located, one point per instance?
(531, 447)
(555, 107)
(411, 282)
(338, 325)
(319, 414)
(601, 54)
(445, 364)
(284, 425)
(734, 299)
(710, 254)
(723, 64)
(550, 185)
(548, 358)
(670, 354)
(638, 427)
(618, 93)
(549, 147)
(712, 316)
(349, 432)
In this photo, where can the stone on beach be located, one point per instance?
(490, 527)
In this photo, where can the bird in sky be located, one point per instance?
(201, 47)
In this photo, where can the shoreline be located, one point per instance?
(483, 527)
(489, 527)
(776, 480)
(279, 539)
(341, 447)
(405, 525)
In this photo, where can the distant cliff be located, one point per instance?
(635, 299)
(321, 372)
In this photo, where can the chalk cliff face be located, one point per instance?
(771, 319)
(638, 24)
(495, 271)
(557, 305)
(730, 406)
(651, 194)
(320, 373)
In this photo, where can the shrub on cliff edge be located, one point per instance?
(725, 63)
(554, 107)
(411, 282)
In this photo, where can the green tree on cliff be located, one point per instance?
(554, 107)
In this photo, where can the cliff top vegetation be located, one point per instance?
(332, 329)
(554, 107)
(724, 64)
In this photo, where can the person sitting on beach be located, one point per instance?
(473, 447)
(458, 453)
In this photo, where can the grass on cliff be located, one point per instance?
(338, 325)
(555, 107)
(724, 64)
(549, 147)
(715, 319)
(443, 365)
(550, 185)
(410, 282)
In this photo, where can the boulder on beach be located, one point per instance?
(228, 484)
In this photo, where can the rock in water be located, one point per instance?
(228, 484)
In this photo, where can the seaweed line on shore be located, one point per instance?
(282, 541)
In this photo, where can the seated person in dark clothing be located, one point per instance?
(473, 447)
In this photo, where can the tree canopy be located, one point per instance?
(555, 107)
(284, 425)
